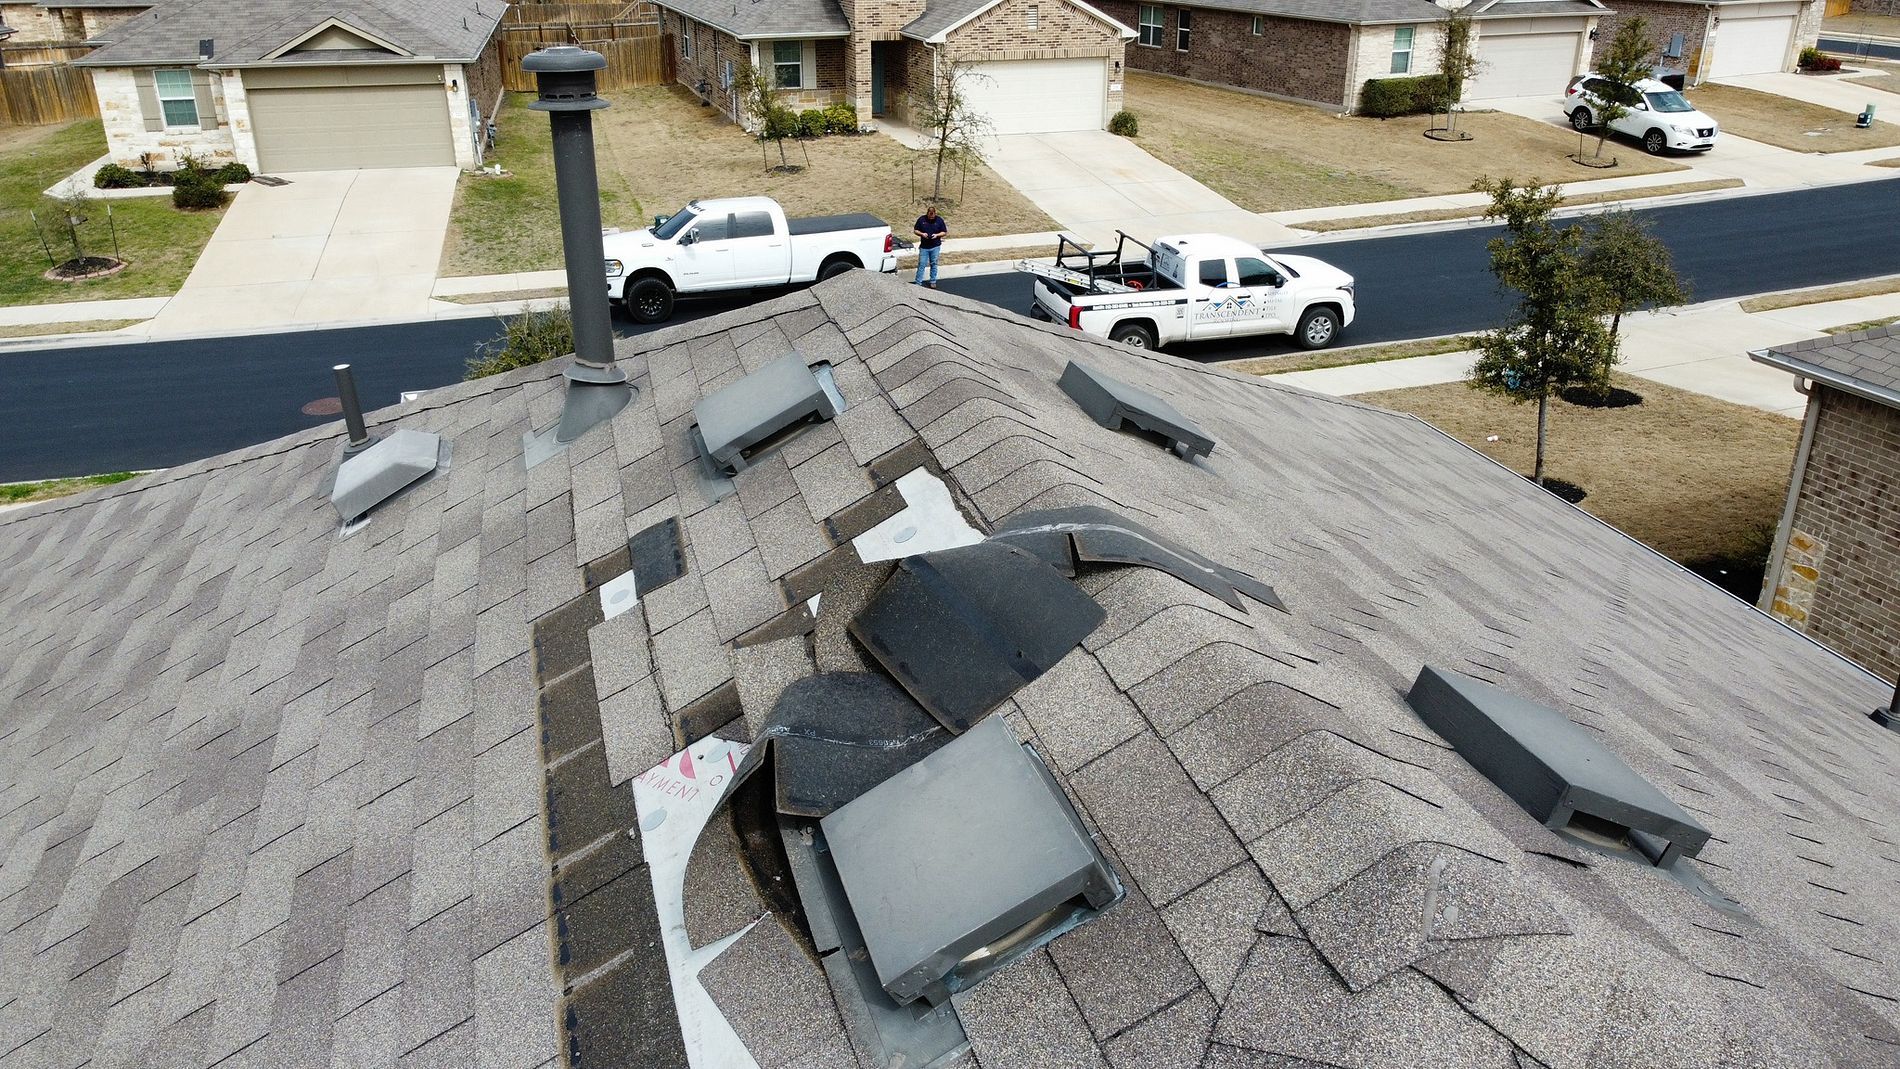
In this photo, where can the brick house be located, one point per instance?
(1704, 39)
(1834, 571)
(1324, 51)
(278, 86)
(1042, 65)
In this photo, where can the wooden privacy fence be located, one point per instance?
(533, 13)
(631, 62)
(39, 96)
(39, 55)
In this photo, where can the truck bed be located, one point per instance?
(827, 224)
(1134, 273)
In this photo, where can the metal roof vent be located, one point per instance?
(964, 628)
(378, 473)
(963, 862)
(1112, 402)
(735, 422)
(1553, 768)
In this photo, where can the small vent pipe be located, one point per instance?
(1889, 717)
(352, 410)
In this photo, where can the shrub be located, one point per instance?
(193, 190)
(534, 336)
(779, 124)
(231, 174)
(1125, 124)
(1385, 98)
(841, 118)
(1813, 59)
(811, 123)
(113, 176)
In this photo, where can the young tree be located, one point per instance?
(945, 114)
(1629, 59)
(758, 100)
(1628, 268)
(1457, 62)
(73, 204)
(1557, 338)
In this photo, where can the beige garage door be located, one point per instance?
(1039, 96)
(1524, 64)
(331, 127)
(1752, 45)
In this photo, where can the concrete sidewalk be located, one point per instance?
(1703, 349)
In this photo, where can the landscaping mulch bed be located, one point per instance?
(1614, 397)
(84, 269)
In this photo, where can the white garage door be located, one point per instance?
(1524, 64)
(333, 127)
(1752, 46)
(1039, 96)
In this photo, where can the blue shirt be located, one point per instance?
(933, 230)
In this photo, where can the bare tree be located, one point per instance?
(74, 203)
(944, 113)
(758, 99)
(1458, 63)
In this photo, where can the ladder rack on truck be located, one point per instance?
(1093, 266)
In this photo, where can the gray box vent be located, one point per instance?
(1556, 770)
(964, 862)
(732, 423)
(378, 473)
(1112, 402)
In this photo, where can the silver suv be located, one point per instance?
(1659, 116)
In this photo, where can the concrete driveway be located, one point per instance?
(1093, 183)
(330, 247)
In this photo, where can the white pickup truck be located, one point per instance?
(737, 243)
(1190, 287)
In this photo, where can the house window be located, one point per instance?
(788, 64)
(1402, 50)
(1259, 25)
(1032, 20)
(686, 38)
(1151, 25)
(176, 98)
(1182, 24)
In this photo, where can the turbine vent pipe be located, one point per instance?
(352, 410)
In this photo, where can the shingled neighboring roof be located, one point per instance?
(746, 19)
(1354, 12)
(1866, 362)
(247, 31)
(277, 791)
(942, 16)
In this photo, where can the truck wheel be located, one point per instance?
(1318, 328)
(1580, 119)
(1654, 142)
(835, 268)
(1133, 335)
(649, 301)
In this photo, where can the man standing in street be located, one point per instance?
(930, 231)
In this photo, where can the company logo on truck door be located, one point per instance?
(1238, 306)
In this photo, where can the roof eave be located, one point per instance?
(1843, 383)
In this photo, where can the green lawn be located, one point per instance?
(159, 241)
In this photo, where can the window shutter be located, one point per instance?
(808, 66)
(207, 108)
(148, 99)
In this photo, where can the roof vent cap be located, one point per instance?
(1112, 402)
(1556, 770)
(378, 473)
(732, 423)
(964, 862)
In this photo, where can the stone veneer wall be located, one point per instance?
(1839, 580)
(127, 138)
(1294, 58)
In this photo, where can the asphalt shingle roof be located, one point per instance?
(766, 18)
(279, 794)
(1866, 362)
(245, 31)
(1348, 11)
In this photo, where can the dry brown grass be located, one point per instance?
(1358, 354)
(1688, 475)
(1791, 124)
(1876, 75)
(1846, 291)
(1270, 156)
(1895, 162)
(657, 148)
(491, 297)
(1440, 214)
(1869, 324)
(40, 330)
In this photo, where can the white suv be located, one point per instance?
(1659, 117)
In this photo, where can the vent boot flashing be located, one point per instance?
(378, 473)
(1556, 770)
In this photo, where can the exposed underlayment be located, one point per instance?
(277, 795)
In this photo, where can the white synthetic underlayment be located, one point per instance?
(929, 522)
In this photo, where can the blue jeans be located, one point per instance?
(927, 258)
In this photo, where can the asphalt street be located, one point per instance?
(79, 411)
(1860, 46)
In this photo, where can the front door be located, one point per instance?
(877, 79)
